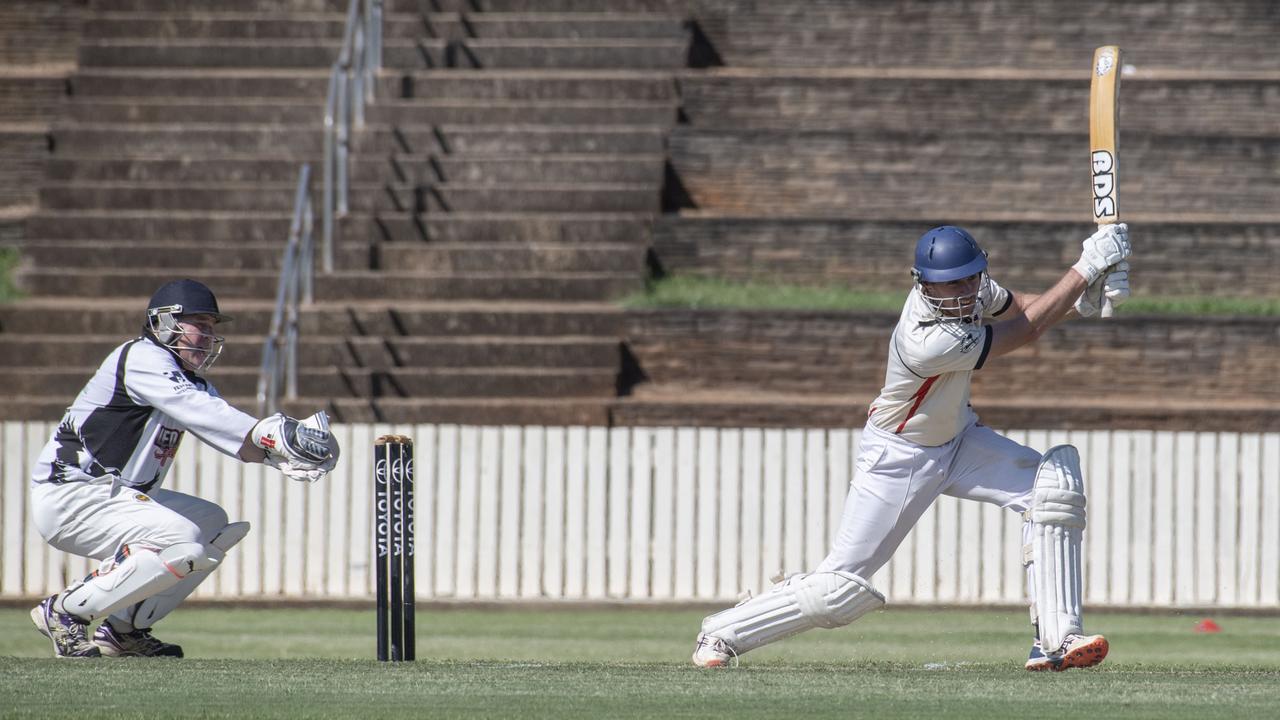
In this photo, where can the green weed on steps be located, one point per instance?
(695, 292)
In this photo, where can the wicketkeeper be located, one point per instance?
(922, 440)
(96, 487)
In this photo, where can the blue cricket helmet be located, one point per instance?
(947, 253)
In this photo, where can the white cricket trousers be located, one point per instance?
(896, 480)
(88, 519)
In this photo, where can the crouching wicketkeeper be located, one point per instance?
(96, 489)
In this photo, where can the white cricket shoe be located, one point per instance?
(70, 634)
(1077, 651)
(712, 652)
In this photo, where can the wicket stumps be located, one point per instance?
(393, 545)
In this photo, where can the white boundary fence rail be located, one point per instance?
(681, 514)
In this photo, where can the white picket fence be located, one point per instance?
(1175, 519)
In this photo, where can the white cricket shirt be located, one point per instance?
(925, 398)
(128, 420)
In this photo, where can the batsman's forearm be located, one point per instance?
(1056, 304)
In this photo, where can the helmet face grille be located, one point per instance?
(166, 325)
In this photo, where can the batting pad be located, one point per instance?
(801, 602)
(1058, 520)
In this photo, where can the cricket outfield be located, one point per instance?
(573, 662)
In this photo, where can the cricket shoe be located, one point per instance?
(712, 652)
(69, 634)
(138, 643)
(1077, 651)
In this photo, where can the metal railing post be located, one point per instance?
(328, 199)
(352, 79)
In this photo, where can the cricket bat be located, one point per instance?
(1104, 112)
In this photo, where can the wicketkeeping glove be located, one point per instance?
(302, 450)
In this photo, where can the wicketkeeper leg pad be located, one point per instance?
(136, 572)
(1057, 516)
(150, 610)
(801, 602)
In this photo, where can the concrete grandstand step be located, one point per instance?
(866, 253)
(447, 197)
(993, 34)
(357, 382)
(513, 139)
(304, 141)
(167, 196)
(177, 253)
(178, 8)
(416, 257)
(600, 54)
(114, 224)
(191, 110)
(522, 197)
(306, 84)
(568, 228)
(1028, 101)
(529, 85)
(215, 23)
(123, 316)
(221, 53)
(558, 169)
(479, 351)
(449, 111)
(375, 353)
(24, 148)
(218, 24)
(162, 168)
(235, 227)
(644, 53)
(850, 173)
(242, 284)
(564, 382)
(183, 7)
(30, 96)
(467, 411)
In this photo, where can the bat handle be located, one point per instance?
(1107, 309)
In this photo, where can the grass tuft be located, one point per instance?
(9, 259)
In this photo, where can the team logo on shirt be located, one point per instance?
(166, 445)
(969, 341)
(180, 382)
(141, 498)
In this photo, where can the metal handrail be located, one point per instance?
(352, 77)
(351, 86)
(280, 348)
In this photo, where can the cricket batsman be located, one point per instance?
(96, 489)
(922, 440)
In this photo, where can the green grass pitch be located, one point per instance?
(573, 662)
